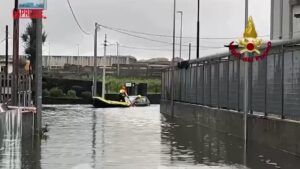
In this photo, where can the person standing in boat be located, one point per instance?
(123, 93)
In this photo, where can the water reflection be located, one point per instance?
(31, 152)
(188, 144)
(82, 137)
(10, 140)
(94, 120)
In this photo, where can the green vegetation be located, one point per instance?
(86, 95)
(56, 92)
(29, 39)
(46, 92)
(71, 94)
(113, 83)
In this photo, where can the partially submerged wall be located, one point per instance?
(276, 133)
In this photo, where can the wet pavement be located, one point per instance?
(82, 137)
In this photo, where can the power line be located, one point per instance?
(142, 33)
(87, 33)
(136, 36)
(143, 48)
(153, 40)
(3, 40)
(152, 49)
(169, 36)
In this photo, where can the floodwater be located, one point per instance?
(82, 137)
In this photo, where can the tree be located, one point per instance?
(29, 39)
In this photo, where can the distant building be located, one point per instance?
(142, 68)
(285, 19)
(58, 62)
(2, 64)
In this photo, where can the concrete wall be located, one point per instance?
(275, 133)
(60, 61)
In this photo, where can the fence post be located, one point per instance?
(266, 86)
(24, 90)
(282, 82)
(218, 82)
(185, 91)
(250, 87)
(203, 83)
(180, 78)
(190, 92)
(238, 87)
(210, 91)
(1, 94)
(228, 78)
(196, 86)
(18, 91)
(30, 91)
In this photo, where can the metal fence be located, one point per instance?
(23, 87)
(217, 81)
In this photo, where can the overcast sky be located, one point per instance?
(219, 19)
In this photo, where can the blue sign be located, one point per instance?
(32, 4)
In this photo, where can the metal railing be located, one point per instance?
(23, 90)
(217, 81)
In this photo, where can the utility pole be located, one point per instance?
(190, 46)
(172, 62)
(246, 81)
(6, 64)
(94, 89)
(272, 20)
(281, 20)
(48, 60)
(15, 79)
(118, 65)
(198, 29)
(246, 12)
(38, 74)
(246, 91)
(181, 14)
(78, 60)
(104, 67)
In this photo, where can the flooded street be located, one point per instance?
(82, 137)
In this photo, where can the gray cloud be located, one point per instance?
(219, 18)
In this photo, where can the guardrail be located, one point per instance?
(23, 90)
(217, 81)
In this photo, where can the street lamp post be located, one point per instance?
(246, 90)
(48, 60)
(198, 30)
(118, 65)
(94, 90)
(78, 60)
(104, 67)
(181, 14)
(172, 62)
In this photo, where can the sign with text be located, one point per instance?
(32, 4)
(28, 13)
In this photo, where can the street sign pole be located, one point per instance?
(15, 78)
(38, 74)
(94, 87)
